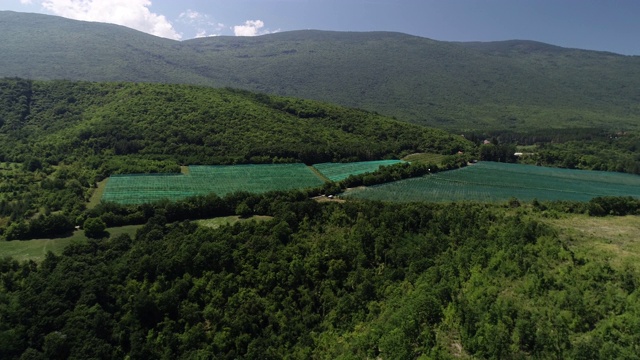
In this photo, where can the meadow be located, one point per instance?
(37, 249)
(217, 222)
(494, 182)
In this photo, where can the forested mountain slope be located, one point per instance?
(516, 85)
(61, 121)
(58, 138)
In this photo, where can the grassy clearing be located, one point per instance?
(36, 249)
(425, 158)
(229, 220)
(96, 196)
(527, 148)
(496, 182)
(612, 238)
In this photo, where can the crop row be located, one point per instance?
(222, 180)
(341, 171)
(490, 182)
(202, 180)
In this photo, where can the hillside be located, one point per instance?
(63, 120)
(58, 138)
(299, 278)
(514, 85)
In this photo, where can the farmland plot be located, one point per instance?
(341, 171)
(202, 180)
(491, 182)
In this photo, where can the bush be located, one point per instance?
(94, 228)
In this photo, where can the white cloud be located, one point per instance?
(25, 2)
(201, 34)
(190, 14)
(130, 13)
(250, 28)
(202, 24)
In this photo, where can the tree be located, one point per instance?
(244, 210)
(94, 228)
(17, 231)
(33, 165)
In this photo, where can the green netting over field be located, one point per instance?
(492, 182)
(202, 180)
(341, 171)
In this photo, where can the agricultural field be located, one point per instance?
(202, 180)
(341, 171)
(494, 182)
(425, 158)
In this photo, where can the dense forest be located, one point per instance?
(325, 281)
(68, 121)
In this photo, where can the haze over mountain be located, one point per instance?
(512, 85)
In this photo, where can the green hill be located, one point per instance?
(58, 138)
(513, 85)
(65, 121)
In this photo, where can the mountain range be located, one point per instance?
(509, 85)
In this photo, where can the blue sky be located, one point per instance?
(608, 25)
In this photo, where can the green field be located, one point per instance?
(492, 182)
(23, 250)
(341, 171)
(202, 180)
(425, 158)
(225, 179)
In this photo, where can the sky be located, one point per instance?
(606, 25)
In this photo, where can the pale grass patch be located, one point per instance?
(229, 220)
(613, 238)
(96, 195)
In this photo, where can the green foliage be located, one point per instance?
(194, 125)
(94, 228)
(610, 205)
(244, 210)
(498, 152)
(51, 226)
(350, 280)
(596, 150)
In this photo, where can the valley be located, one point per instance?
(314, 195)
